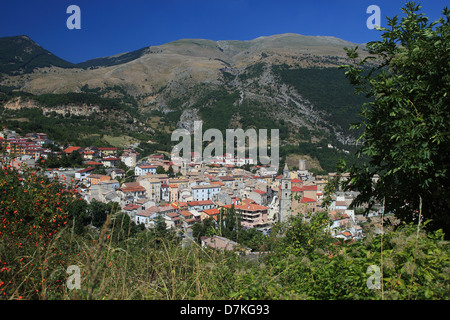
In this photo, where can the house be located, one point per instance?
(118, 173)
(339, 220)
(129, 159)
(165, 192)
(308, 205)
(304, 199)
(253, 215)
(200, 205)
(145, 203)
(107, 152)
(131, 210)
(131, 192)
(69, 150)
(259, 196)
(94, 164)
(188, 217)
(97, 178)
(227, 180)
(88, 155)
(356, 231)
(143, 169)
(296, 183)
(110, 161)
(340, 204)
(110, 184)
(83, 173)
(145, 217)
(173, 192)
(205, 192)
(153, 189)
(222, 243)
(344, 235)
(209, 213)
(173, 220)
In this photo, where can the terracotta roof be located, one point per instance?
(172, 214)
(305, 199)
(94, 163)
(226, 178)
(211, 212)
(247, 207)
(132, 207)
(259, 191)
(309, 188)
(199, 203)
(346, 233)
(71, 149)
(132, 187)
(185, 213)
(146, 166)
(248, 201)
(86, 170)
(204, 186)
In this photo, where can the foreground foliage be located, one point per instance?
(46, 228)
(406, 123)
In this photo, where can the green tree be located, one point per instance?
(406, 123)
(75, 158)
(160, 170)
(78, 215)
(170, 172)
(202, 229)
(99, 211)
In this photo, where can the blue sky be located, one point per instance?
(112, 27)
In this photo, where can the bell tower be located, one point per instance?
(285, 195)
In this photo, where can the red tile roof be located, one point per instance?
(94, 163)
(86, 170)
(259, 191)
(247, 207)
(212, 212)
(71, 149)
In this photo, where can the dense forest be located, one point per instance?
(328, 90)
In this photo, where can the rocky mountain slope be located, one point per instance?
(286, 81)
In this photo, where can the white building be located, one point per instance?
(143, 169)
(205, 192)
(129, 159)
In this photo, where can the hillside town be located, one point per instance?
(147, 188)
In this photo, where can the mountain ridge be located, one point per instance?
(286, 81)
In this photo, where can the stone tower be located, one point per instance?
(285, 196)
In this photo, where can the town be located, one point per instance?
(190, 191)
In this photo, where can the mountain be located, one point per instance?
(288, 81)
(20, 54)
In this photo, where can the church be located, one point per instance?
(294, 197)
